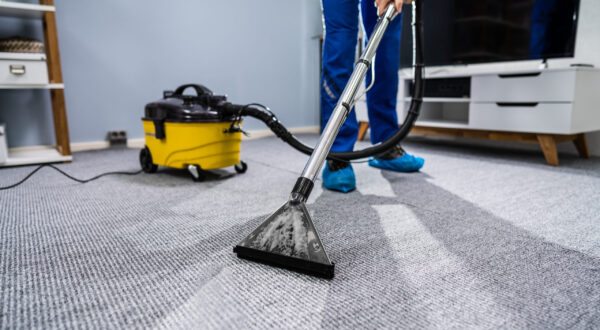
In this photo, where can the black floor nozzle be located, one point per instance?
(288, 239)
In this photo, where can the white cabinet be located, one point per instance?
(546, 86)
(547, 105)
(548, 118)
(561, 101)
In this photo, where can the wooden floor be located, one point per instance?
(547, 142)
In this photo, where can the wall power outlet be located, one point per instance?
(117, 138)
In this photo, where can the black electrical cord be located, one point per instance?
(67, 175)
(280, 131)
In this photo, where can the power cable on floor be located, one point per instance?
(67, 175)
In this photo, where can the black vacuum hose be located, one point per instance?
(415, 107)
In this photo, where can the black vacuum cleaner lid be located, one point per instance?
(177, 107)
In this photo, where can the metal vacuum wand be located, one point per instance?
(343, 108)
(288, 238)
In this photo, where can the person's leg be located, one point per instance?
(339, 47)
(381, 99)
(540, 20)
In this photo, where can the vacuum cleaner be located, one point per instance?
(186, 131)
(288, 238)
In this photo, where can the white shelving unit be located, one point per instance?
(24, 10)
(24, 56)
(44, 154)
(47, 86)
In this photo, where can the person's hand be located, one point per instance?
(382, 5)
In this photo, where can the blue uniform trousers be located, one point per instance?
(341, 32)
(540, 19)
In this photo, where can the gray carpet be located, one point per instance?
(483, 237)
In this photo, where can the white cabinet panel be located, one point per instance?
(534, 118)
(547, 86)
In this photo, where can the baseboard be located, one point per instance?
(593, 141)
(139, 142)
(30, 148)
(96, 145)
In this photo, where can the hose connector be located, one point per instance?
(302, 190)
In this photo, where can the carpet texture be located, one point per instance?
(482, 237)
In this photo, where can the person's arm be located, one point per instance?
(382, 4)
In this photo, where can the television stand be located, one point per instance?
(547, 142)
(544, 106)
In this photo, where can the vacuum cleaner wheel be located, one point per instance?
(146, 161)
(198, 174)
(241, 167)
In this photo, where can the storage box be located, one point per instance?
(3, 145)
(23, 69)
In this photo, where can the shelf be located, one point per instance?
(47, 86)
(22, 56)
(444, 114)
(35, 156)
(23, 10)
(442, 99)
(444, 123)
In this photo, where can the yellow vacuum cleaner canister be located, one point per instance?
(186, 132)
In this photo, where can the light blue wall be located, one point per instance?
(118, 55)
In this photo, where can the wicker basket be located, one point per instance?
(21, 45)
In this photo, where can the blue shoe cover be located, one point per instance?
(406, 163)
(341, 180)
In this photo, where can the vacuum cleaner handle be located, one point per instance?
(289, 238)
(200, 90)
(342, 109)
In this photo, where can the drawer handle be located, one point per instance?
(517, 104)
(17, 70)
(519, 75)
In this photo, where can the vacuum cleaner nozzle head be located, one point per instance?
(288, 239)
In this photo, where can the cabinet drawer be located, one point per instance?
(23, 72)
(533, 118)
(546, 86)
